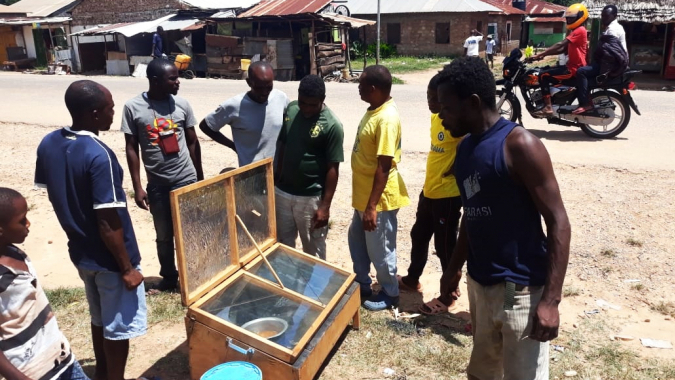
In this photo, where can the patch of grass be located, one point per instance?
(606, 270)
(634, 242)
(61, 298)
(665, 308)
(397, 80)
(593, 356)
(406, 64)
(571, 291)
(31, 206)
(164, 307)
(71, 303)
(608, 253)
(637, 287)
(131, 194)
(419, 349)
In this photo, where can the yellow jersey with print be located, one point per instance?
(379, 134)
(440, 160)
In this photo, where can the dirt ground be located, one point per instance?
(622, 222)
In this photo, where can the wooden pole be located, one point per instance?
(312, 52)
(241, 223)
(377, 50)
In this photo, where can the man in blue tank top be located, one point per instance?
(515, 271)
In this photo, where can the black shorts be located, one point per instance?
(490, 57)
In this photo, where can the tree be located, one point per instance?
(9, 2)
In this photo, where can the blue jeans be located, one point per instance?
(160, 208)
(586, 76)
(377, 247)
(74, 372)
(122, 313)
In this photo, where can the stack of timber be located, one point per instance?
(223, 56)
(329, 57)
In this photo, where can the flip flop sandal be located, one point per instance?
(433, 307)
(405, 287)
(581, 110)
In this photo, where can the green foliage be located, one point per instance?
(386, 50)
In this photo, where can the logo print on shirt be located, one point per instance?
(472, 185)
(441, 136)
(160, 125)
(315, 131)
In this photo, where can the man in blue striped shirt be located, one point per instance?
(84, 182)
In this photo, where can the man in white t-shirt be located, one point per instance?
(611, 24)
(471, 45)
(490, 50)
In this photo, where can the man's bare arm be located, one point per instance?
(379, 183)
(530, 164)
(217, 136)
(134, 161)
(195, 151)
(112, 234)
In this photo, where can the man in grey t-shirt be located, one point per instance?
(255, 117)
(162, 124)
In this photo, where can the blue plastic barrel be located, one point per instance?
(233, 371)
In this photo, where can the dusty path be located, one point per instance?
(616, 192)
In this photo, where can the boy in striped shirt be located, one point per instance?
(32, 345)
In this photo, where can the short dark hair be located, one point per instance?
(433, 82)
(156, 67)
(160, 29)
(7, 198)
(613, 10)
(84, 96)
(312, 86)
(467, 76)
(378, 76)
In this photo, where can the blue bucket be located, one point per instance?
(233, 371)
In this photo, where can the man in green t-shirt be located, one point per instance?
(308, 157)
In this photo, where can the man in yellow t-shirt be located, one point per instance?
(438, 210)
(378, 190)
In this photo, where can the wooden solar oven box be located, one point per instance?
(237, 310)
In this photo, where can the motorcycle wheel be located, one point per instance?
(510, 109)
(621, 111)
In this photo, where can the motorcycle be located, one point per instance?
(611, 99)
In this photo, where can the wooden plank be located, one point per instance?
(216, 40)
(231, 224)
(316, 352)
(303, 255)
(272, 217)
(274, 288)
(331, 60)
(180, 253)
(322, 317)
(208, 348)
(325, 70)
(236, 332)
(312, 51)
(326, 54)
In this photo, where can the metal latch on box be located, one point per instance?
(249, 353)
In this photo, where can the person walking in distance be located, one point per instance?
(490, 51)
(438, 209)
(162, 125)
(515, 271)
(378, 191)
(157, 43)
(472, 44)
(308, 159)
(83, 179)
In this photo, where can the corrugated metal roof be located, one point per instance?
(505, 8)
(649, 11)
(369, 7)
(134, 28)
(220, 4)
(225, 14)
(537, 7)
(285, 7)
(545, 19)
(39, 8)
(29, 21)
(344, 20)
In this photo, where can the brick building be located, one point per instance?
(439, 27)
